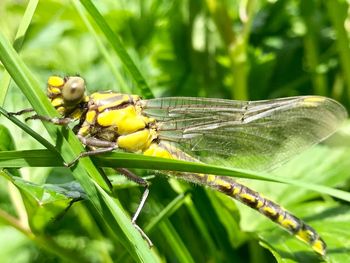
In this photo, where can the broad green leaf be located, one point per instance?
(6, 140)
(46, 203)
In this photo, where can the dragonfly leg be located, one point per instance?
(143, 234)
(142, 182)
(57, 121)
(21, 112)
(89, 153)
(104, 146)
(95, 142)
(133, 177)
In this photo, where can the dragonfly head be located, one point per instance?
(73, 90)
(66, 93)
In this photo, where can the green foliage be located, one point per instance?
(230, 49)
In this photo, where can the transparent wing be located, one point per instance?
(246, 134)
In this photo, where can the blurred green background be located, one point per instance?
(244, 50)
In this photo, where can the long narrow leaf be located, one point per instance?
(19, 38)
(130, 160)
(118, 48)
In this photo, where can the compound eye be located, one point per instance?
(73, 90)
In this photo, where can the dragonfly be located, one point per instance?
(257, 135)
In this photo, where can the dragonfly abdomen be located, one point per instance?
(271, 210)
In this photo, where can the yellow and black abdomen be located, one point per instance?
(268, 208)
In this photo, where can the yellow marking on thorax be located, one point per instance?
(109, 100)
(137, 141)
(90, 116)
(157, 151)
(84, 130)
(105, 96)
(126, 120)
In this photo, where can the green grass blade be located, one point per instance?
(28, 130)
(167, 211)
(131, 160)
(337, 14)
(175, 242)
(30, 158)
(122, 85)
(23, 78)
(20, 35)
(118, 47)
(128, 160)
